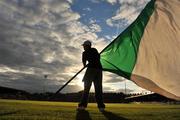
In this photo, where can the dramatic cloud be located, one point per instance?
(113, 78)
(127, 13)
(44, 37)
(40, 37)
(112, 1)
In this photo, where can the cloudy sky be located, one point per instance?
(44, 37)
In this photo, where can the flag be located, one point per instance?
(148, 51)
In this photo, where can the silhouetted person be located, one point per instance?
(92, 74)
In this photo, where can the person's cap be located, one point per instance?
(87, 42)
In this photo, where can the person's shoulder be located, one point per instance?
(94, 49)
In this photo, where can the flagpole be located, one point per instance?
(69, 80)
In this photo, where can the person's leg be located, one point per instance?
(98, 89)
(84, 99)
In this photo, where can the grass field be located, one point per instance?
(38, 110)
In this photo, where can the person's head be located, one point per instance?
(86, 45)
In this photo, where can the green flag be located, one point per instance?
(140, 52)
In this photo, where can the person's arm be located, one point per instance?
(84, 59)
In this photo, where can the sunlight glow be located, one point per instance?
(79, 80)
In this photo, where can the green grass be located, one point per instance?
(38, 110)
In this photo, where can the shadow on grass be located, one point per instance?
(82, 115)
(112, 116)
(8, 113)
